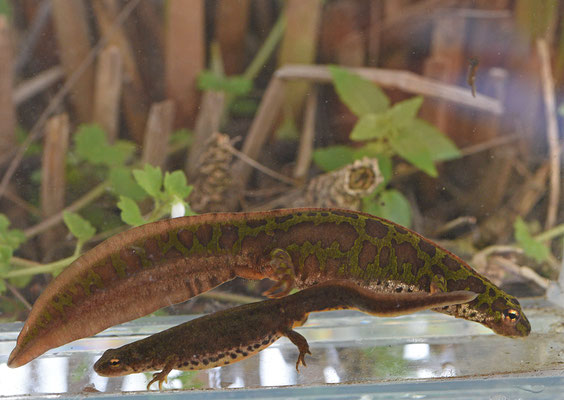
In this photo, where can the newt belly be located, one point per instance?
(152, 266)
(232, 335)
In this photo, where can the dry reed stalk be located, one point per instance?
(547, 81)
(407, 81)
(184, 55)
(7, 106)
(133, 91)
(32, 86)
(305, 150)
(71, 25)
(299, 45)
(159, 127)
(53, 171)
(107, 91)
(231, 24)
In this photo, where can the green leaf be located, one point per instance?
(333, 157)
(11, 238)
(78, 226)
(360, 95)
(236, 85)
(373, 126)
(183, 136)
(533, 248)
(405, 111)
(2, 286)
(6, 8)
(175, 184)
(440, 147)
(130, 213)
(407, 144)
(390, 204)
(92, 145)
(150, 179)
(122, 184)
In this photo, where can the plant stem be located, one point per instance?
(550, 234)
(266, 49)
(39, 269)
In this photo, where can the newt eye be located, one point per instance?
(510, 315)
(114, 362)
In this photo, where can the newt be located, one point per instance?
(138, 271)
(232, 335)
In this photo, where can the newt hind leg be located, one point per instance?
(284, 272)
(160, 377)
(302, 345)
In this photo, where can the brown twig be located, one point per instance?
(526, 272)
(29, 88)
(107, 91)
(404, 80)
(36, 130)
(303, 160)
(7, 107)
(157, 132)
(551, 132)
(17, 295)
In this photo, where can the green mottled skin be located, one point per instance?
(166, 262)
(232, 335)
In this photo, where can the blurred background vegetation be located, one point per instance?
(440, 115)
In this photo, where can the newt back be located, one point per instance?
(152, 266)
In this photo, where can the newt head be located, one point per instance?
(114, 362)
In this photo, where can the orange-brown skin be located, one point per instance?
(228, 336)
(152, 266)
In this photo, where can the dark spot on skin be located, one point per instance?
(255, 223)
(250, 244)
(471, 283)
(367, 254)
(282, 219)
(205, 361)
(245, 354)
(213, 359)
(492, 292)
(194, 362)
(451, 263)
(484, 307)
(436, 270)
(499, 304)
(132, 259)
(173, 254)
(326, 233)
(165, 237)
(311, 214)
(409, 290)
(425, 282)
(376, 229)
(106, 271)
(311, 264)
(400, 230)
(229, 235)
(185, 363)
(472, 314)
(233, 355)
(185, 238)
(226, 362)
(265, 342)
(324, 214)
(256, 345)
(198, 285)
(213, 281)
(399, 289)
(407, 254)
(345, 214)
(152, 250)
(220, 355)
(204, 234)
(427, 247)
(238, 351)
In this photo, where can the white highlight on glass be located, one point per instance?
(136, 382)
(416, 351)
(15, 381)
(53, 375)
(273, 369)
(331, 375)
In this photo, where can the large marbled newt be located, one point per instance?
(232, 335)
(155, 265)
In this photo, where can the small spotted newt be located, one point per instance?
(232, 335)
(155, 265)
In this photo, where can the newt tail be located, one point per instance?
(152, 266)
(232, 335)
